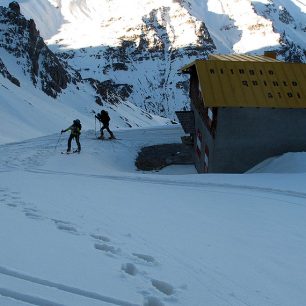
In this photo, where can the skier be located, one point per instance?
(104, 118)
(75, 132)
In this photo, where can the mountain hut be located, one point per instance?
(244, 109)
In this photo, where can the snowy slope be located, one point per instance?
(115, 52)
(70, 20)
(27, 112)
(90, 230)
(41, 94)
(143, 44)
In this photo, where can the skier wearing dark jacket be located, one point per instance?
(75, 132)
(104, 118)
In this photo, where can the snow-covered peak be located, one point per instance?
(256, 32)
(132, 51)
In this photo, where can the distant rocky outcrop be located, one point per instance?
(285, 24)
(110, 91)
(7, 74)
(154, 51)
(21, 39)
(156, 157)
(141, 61)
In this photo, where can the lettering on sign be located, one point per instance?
(274, 83)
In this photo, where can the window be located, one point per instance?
(245, 83)
(198, 143)
(206, 159)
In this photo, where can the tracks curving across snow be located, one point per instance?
(42, 282)
(174, 182)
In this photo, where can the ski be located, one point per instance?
(71, 152)
(108, 139)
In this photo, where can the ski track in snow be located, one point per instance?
(46, 283)
(30, 156)
(210, 187)
(101, 243)
(42, 150)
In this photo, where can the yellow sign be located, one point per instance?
(251, 83)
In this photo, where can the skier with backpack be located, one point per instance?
(75, 132)
(104, 118)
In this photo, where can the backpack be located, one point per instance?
(104, 116)
(78, 124)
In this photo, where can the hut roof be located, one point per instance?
(250, 81)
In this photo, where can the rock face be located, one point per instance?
(142, 62)
(144, 54)
(290, 29)
(6, 74)
(159, 156)
(19, 37)
(137, 52)
(154, 62)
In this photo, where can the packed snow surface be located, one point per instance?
(89, 229)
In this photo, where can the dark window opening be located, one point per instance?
(245, 83)
(290, 95)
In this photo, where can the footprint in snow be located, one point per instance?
(129, 268)
(10, 199)
(65, 226)
(108, 249)
(163, 287)
(11, 205)
(100, 237)
(32, 213)
(152, 301)
(145, 258)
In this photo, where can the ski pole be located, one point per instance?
(95, 126)
(58, 142)
(95, 122)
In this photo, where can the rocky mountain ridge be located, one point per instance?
(135, 54)
(20, 38)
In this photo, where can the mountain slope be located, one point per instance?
(145, 43)
(41, 93)
(92, 54)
